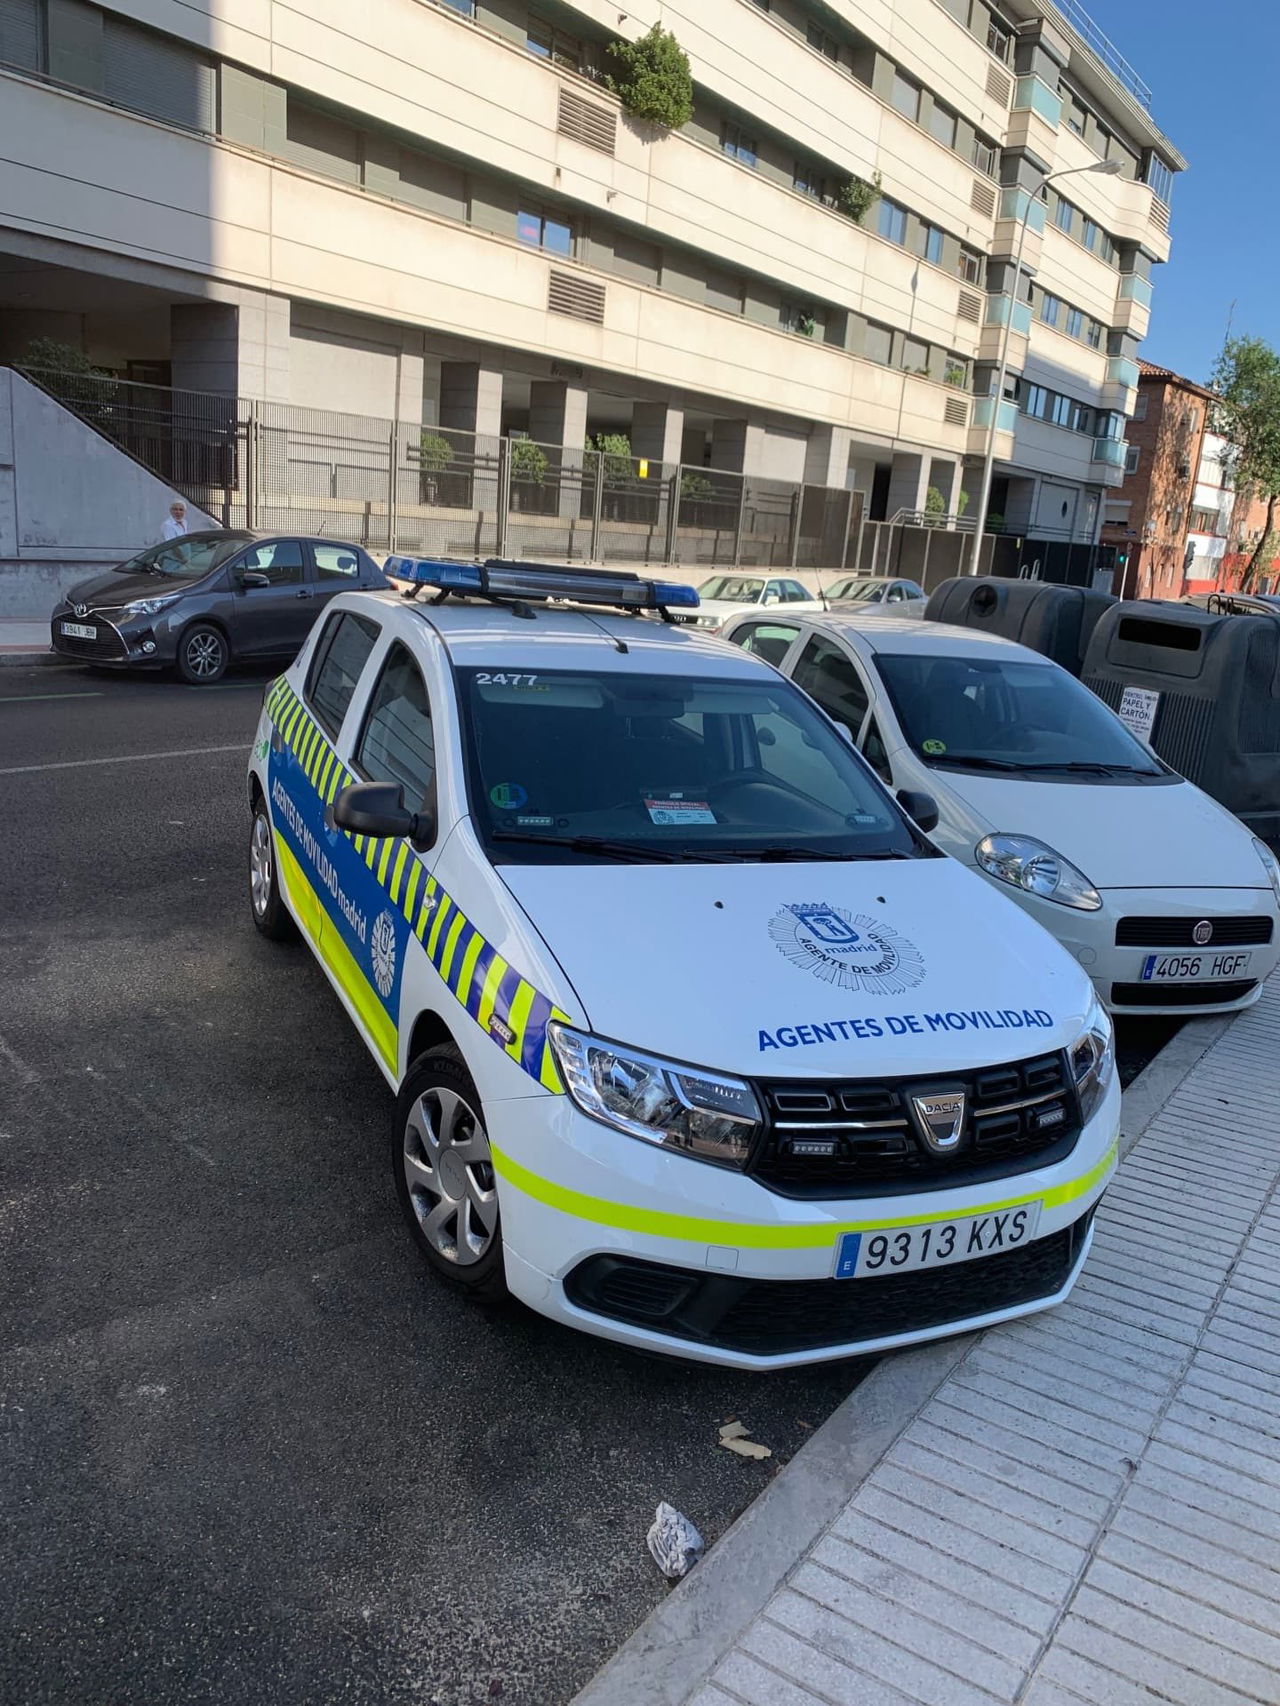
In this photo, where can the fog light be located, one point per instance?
(148, 645)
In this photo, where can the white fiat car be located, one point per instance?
(729, 595)
(1165, 898)
(697, 1042)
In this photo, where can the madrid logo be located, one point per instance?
(382, 950)
(849, 949)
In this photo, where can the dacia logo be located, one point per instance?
(940, 1119)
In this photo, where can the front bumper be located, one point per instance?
(648, 1248)
(1117, 971)
(132, 644)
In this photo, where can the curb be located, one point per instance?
(680, 1643)
(34, 660)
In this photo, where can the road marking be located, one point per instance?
(123, 758)
(24, 698)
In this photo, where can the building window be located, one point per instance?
(1064, 216)
(879, 344)
(466, 7)
(809, 179)
(798, 317)
(1140, 407)
(548, 231)
(554, 44)
(1076, 114)
(1035, 400)
(1050, 308)
(826, 45)
(739, 145)
(915, 356)
(1075, 323)
(892, 221)
(999, 40)
(984, 155)
(1132, 457)
(970, 267)
(906, 97)
(1160, 179)
(1095, 334)
(931, 240)
(942, 125)
(1089, 236)
(956, 372)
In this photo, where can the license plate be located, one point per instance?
(1193, 968)
(78, 630)
(905, 1249)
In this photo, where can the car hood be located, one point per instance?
(806, 970)
(117, 586)
(1152, 835)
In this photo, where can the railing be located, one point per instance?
(1075, 15)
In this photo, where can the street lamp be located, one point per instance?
(1108, 168)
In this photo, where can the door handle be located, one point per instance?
(303, 592)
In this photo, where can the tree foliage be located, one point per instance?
(858, 196)
(529, 461)
(653, 80)
(1246, 379)
(615, 449)
(434, 452)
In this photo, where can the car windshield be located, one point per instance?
(737, 589)
(186, 559)
(582, 766)
(859, 592)
(1005, 714)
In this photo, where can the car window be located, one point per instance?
(340, 655)
(773, 592)
(336, 562)
(279, 559)
(397, 744)
(912, 590)
(794, 593)
(874, 753)
(733, 589)
(826, 674)
(897, 593)
(768, 640)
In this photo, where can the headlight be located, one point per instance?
(1269, 865)
(149, 606)
(1036, 869)
(703, 1114)
(1093, 1059)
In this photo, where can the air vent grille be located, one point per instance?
(983, 199)
(969, 307)
(593, 126)
(576, 298)
(956, 413)
(999, 87)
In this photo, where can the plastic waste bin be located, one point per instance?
(1204, 691)
(1055, 620)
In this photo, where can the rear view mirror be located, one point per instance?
(922, 809)
(377, 809)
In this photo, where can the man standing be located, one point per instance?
(175, 523)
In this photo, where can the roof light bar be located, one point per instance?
(497, 578)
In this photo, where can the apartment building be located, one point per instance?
(437, 211)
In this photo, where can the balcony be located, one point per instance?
(984, 412)
(1135, 289)
(1014, 203)
(1111, 454)
(1037, 97)
(1119, 390)
(1002, 310)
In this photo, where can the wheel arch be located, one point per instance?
(430, 1030)
(205, 621)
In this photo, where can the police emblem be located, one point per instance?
(848, 949)
(382, 951)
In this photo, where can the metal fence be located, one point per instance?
(396, 485)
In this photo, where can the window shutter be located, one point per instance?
(154, 74)
(20, 34)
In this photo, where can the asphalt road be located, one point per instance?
(248, 1449)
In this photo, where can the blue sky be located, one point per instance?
(1212, 70)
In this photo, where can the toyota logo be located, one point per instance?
(1202, 935)
(81, 609)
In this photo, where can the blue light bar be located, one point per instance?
(499, 579)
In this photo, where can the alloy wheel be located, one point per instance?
(261, 871)
(448, 1169)
(204, 654)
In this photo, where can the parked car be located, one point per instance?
(905, 598)
(1159, 892)
(195, 603)
(728, 595)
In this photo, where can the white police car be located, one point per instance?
(698, 1044)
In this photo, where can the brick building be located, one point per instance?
(1150, 518)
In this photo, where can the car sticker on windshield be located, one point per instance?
(848, 949)
(679, 811)
(934, 748)
(509, 796)
(536, 822)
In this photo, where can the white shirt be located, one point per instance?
(174, 529)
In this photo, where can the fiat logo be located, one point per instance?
(1202, 935)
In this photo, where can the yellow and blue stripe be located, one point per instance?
(502, 1002)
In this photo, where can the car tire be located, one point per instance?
(203, 654)
(445, 1177)
(265, 901)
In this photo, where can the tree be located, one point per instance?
(1246, 378)
(857, 197)
(615, 448)
(654, 80)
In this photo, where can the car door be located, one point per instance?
(336, 568)
(273, 599)
(764, 639)
(846, 692)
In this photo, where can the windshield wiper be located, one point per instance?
(597, 844)
(977, 761)
(1083, 768)
(801, 855)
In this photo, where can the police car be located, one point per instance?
(697, 1042)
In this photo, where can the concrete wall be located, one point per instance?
(70, 502)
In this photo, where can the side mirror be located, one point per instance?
(922, 809)
(378, 809)
(252, 577)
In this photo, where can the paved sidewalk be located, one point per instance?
(1087, 1506)
(24, 642)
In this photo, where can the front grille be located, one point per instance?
(1179, 932)
(859, 1138)
(774, 1317)
(105, 646)
(1181, 994)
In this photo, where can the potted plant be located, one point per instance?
(653, 80)
(857, 197)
